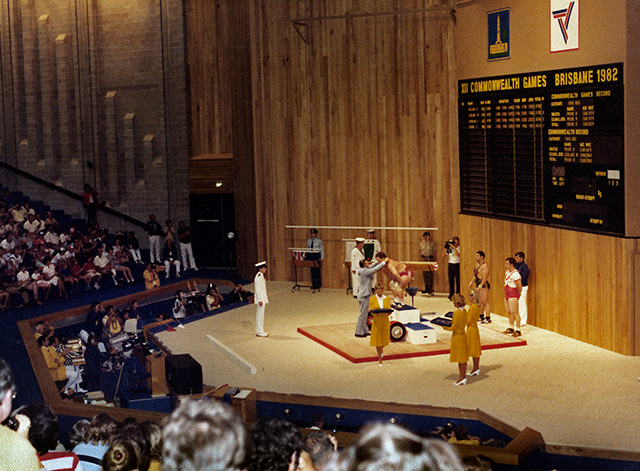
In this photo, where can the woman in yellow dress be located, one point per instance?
(474, 348)
(380, 326)
(459, 353)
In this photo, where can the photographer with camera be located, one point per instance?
(16, 452)
(452, 254)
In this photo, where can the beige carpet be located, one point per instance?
(571, 392)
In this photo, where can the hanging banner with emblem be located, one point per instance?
(499, 34)
(564, 32)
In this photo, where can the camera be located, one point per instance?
(12, 423)
(448, 245)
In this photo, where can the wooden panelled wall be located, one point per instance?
(353, 125)
(581, 284)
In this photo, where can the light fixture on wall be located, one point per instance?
(218, 184)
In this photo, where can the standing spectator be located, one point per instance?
(523, 269)
(186, 250)
(90, 197)
(170, 256)
(261, 298)
(169, 231)
(205, 436)
(15, 450)
(357, 254)
(154, 229)
(428, 253)
(44, 434)
(459, 352)
(452, 253)
(314, 242)
(134, 247)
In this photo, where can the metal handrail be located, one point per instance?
(71, 194)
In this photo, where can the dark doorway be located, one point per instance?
(212, 220)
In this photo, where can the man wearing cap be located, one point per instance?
(261, 298)
(428, 253)
(357, 254)
(314, 242)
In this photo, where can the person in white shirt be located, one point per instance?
(261, 298)
(357, 254)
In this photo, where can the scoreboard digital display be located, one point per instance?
(545, 147)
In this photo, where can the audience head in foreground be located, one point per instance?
(204, 436)
(382, 446)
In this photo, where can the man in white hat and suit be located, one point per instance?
(261, 299)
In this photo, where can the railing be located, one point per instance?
(59, 197)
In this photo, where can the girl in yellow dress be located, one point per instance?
(474, 348)
(380, 327)
(459, 353)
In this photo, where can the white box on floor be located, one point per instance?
(406, 316)
(420, 334)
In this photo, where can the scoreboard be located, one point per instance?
(545, 147)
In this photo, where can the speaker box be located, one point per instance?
(183, 374)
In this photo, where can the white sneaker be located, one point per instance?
(263, 334)
(96, 286)
(195, 269)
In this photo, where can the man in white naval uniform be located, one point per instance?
(261, 298)
(357, 254)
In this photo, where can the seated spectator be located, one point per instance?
(78, 432)
(91, 275)
(18, 213)
(11, 286)
(461, 436)
(204, 435)
(31, 225)
(134, 247)
(51, 221)
(123, 455)
(118, 262)
(42, 328)
(213, 299)
(151, 278)
(98, 439)
(276, 445)
(153, 436)
(389, 446)
(4, 299)
(112, 322)
(130, 322)
(239, 294)
(16, 452)
(170, 257)
(179, 308)
(73, 282)
(320, 448)
(57, 368)
(27, 282)
(44, 434)
(39, 281)
(104, 265)
(50, 274)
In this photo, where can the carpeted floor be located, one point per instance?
(572, 392)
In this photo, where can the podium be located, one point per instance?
(303, 258)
